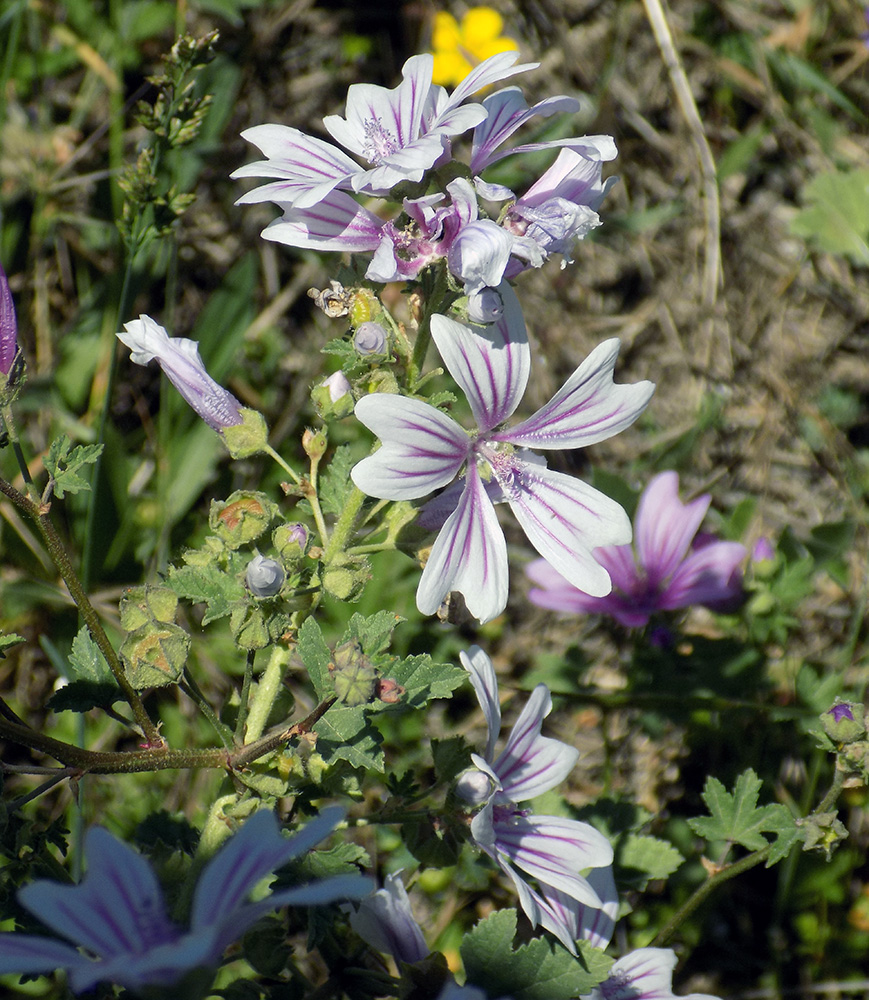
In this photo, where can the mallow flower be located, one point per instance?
(669, 566)
(8, 326)
(551, 850)
(116, 916)
(179, 358)
(386, 922)
(423, 449)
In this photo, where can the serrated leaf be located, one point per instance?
(539, 970)
(345, 734)
(315, 655)
(86, 662)
(63, 461)
(82, 696)
(9, 640)
(219, 590)
(335, 481)
(451, 757)
(374, 632)
(641, 858)
(784, 826)
(736, 817)
(837, 213)
(342, 859)
(424, 680)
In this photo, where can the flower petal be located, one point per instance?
(490, 363)
(485, 683)
(385, 921)
(469, 556)
(423, 449)
(645, 974)
(709, 575)
(479, 254)
(665, 527)
(28, 953)
(588, 408)
(507, 112)
(307, 168)
(594, 924)
(116, 909)
(492, 70)
(599, 147)
(531, 764)
(336, 222)
(565, 519)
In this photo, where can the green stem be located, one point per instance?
(245, 697)
(267, 689)
(436, 300)
(86, 609)
(345, 524)
(291, 472)
(192, 690)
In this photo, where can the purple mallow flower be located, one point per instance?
(552, 850)
(424, 449)
(117, 913)
(8, 326)
(671, 568)
(386, 922)
(180, 361)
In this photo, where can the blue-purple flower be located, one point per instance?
(8, 326)
(424, 449)
(117, 913)
(669, 566)
(552, 850)
(179, 358)
(386, 922)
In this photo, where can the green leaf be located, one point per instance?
(424, 680)
(217, 588)
(374, 633)
(736, 818)
(62, 462)
(82, 696)
(539, 970)
(316, 657)
(335, 482)
(645, 858)
(8, 640)
(451, 757)
(86, 662)
(345, 734)
(837, 214)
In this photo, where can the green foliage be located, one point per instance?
(538, 970)
(641, 858)
(335, 482)
(736, 818)
(64, 463)
(836, 216)
(91, 683)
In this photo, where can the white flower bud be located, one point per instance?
(474, 787)
(264, 577)
(370, 338)
(485, 306)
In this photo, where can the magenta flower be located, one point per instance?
(424, 449)
(180, 361)
(669, 567)
(117, 913)
(552, 850)
(8, 326)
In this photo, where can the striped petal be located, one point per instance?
(565, 519)
(469, 556)
(490, 363)
(423, 449)
(665, 527)
(337, 222)
(531, 764)
(588, 408)
(485, 684)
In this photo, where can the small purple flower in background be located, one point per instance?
(180, 361)
(671, 568)
(8, 326)
(386, 922)
(118, 915)
(424, 449)
(551, 849)
(762, 551)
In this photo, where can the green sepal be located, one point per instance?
(154, 655)
(250, 437)
(242, 517)
(148, 603)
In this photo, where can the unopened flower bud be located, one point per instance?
(264, 576)
(844, 721)
(474, 787)
(332, 397)
(363, 305)
(314, 443)
(485, 306)
(353, 674)
(370, 338)
(8, 326)
(249, 437)
(242, 518)
(290, 540)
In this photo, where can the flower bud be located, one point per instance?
(290, 540)
(314, 443)
(249, 437)
(485, 306)
(474, 787)
(353, 674)
(370, 338)
(264, 577)
(248, 626)
(8, 326)
(154, 654)
(332, 397)
(363, 305)
(844, 722)
(149, 603)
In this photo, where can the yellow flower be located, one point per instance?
(458, 48)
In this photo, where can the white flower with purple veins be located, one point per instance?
(424, 449)
(117, 913)
(386, 922)
(179, 358)
(553, 850)
(399, 133)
